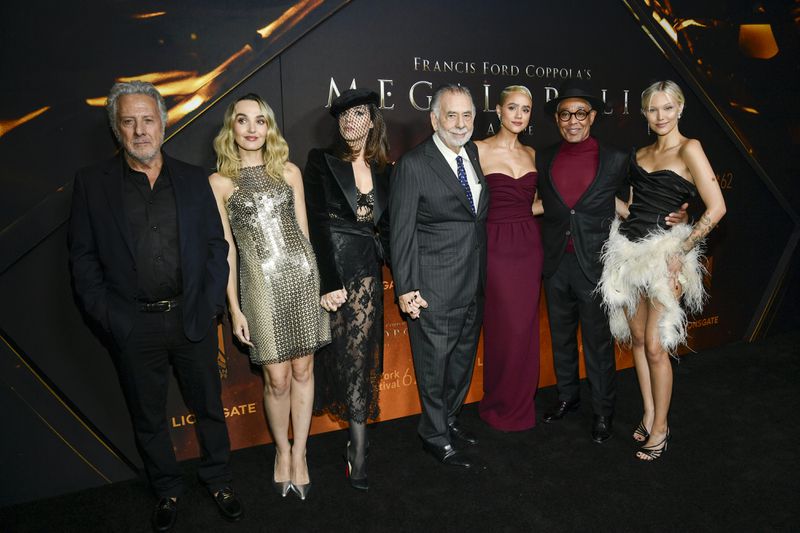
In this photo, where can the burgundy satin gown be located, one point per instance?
(511, 311)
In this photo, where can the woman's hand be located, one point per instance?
(240, 328)
(333, 300)
(674, 268)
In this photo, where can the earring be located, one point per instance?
(680, 115)
(648, 129)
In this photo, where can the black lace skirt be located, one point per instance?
(347, 372)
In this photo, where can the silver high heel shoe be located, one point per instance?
(301, 490)
(281, 487)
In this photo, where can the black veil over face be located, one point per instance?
(355, 124)
(360, 128)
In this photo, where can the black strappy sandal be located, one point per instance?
(642, 432)
(652, 453)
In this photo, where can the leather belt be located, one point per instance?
(162, 306)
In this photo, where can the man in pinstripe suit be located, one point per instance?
(437, 206)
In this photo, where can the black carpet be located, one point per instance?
(732, 465)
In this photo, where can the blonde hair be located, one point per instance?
(275, 151)
(669, 87)
(511, 89)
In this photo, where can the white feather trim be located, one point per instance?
(635, 268)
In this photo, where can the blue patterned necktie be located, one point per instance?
(462, 178)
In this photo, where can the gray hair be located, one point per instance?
(449, 88)
(133, 87)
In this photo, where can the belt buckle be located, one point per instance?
(169, 306)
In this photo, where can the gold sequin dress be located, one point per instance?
(278, 277)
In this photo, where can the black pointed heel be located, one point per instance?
(357, 483)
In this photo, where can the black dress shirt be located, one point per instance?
(153, 221)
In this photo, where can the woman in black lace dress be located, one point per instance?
(346, 188)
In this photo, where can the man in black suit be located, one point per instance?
(583, 184)
(149, 266)
(437, 211)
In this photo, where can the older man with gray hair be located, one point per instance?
(438, 206)
(149, 266)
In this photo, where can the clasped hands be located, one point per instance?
(412, 303)
(333, 300)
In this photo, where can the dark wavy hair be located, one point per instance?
(376, 148)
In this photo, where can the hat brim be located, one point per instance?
(552, 106)
(353, 98)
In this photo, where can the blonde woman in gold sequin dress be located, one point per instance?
(260, 198)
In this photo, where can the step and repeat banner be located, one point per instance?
(300, 55)
(404, 52)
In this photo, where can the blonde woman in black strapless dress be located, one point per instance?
(649, 267)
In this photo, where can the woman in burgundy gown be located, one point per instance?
(514, 270)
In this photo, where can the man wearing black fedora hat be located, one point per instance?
(579, 179)
(583, 184)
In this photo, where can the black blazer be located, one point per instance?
(589, 221)
(101, 251)
(438, 244)
(330, 192)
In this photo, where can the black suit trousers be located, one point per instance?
(571, 300)
(443, 346)
(157, 342)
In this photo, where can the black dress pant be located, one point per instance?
(143, 364)
(571, 300)
(443, 347)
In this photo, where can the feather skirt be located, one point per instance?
(632, 269)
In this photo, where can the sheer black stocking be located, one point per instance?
(357, 449)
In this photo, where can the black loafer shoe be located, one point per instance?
(165, 514)
(447, 455)
(229, 505)
(458, 433)
(601, 428)
(560, 411)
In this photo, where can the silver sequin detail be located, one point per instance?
(278, 277)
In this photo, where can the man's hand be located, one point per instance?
(411, 303)
(681, 217)
(332, 300)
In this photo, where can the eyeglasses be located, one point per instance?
(566, 116)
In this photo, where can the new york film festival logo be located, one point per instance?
(541, 80)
